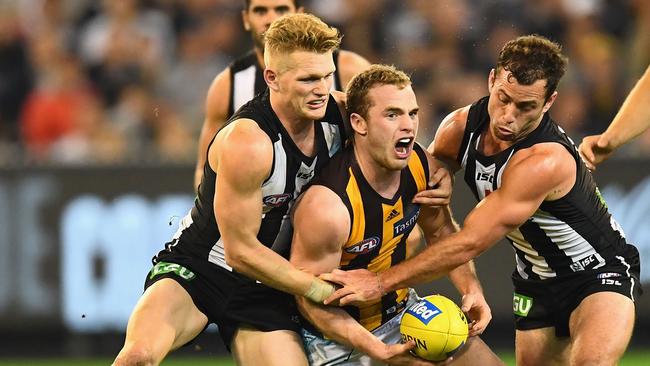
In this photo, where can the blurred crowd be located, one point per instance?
(113, 81)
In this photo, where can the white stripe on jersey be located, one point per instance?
(218, 255)
(521, 267)
(244, 91)
(276, 183)
(464, 162)
(627, 272)
(566, 238)
(332, 137)
(185, 222)
(540, 266)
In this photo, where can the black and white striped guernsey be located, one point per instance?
(198, 235)
(247, 80)
(572, 234)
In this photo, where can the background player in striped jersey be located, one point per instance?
(576, 277)
(243, 79)
(358, 213)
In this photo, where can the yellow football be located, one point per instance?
(437, 325)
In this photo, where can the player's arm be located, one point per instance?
(242, 158)
(350, 64)
(437, 223)
(317, 243)
(631, 120)
(216, 114)
(552, 169)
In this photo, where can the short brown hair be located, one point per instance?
(357, 90)
(301, 32)
(531, 58)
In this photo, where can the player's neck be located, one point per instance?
(384, 181)
(300, 130)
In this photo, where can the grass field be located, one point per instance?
(632, 358)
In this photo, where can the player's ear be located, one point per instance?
(271, 78)
(491, 80)
(549, 102)
(359, 124)
(244, 19)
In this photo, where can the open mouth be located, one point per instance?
(317, 104)
(403, 147)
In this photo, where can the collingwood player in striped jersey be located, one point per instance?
(225, 264)
(244, 78)
(358, 213)
(576, 277)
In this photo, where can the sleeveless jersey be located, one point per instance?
(379, 226)
(198, 235)
(247, 80)
(572, 234)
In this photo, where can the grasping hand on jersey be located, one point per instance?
(439, 192)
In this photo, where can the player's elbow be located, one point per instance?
(236, 256)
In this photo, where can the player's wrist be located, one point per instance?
(380, 286)
(318, 291)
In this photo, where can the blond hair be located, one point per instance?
(358, 88)
(301, 32)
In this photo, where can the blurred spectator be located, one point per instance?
(15, 73)
(142, 67)
(126, 44)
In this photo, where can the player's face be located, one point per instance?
(515, 109)
(261, 13)
(392, 125)
(305, 83)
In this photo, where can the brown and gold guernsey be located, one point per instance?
(379, 225)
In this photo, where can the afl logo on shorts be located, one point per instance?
(277, 200)
(363, 247)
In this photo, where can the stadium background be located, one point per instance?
(101, 104)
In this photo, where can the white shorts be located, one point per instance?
(323, 352)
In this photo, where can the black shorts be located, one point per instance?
(227, 298)
(549, 303)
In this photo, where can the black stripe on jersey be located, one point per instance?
(557, 260)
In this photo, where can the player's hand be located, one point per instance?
(400, 354)
(594, 150)
(478, 312)
(358, 286)
(439, 190)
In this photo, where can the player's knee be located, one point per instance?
(593, 359)
(135, 355)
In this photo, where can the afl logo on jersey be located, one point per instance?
(277, 200)
(363, 247)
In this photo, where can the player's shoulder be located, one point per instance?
(544, 161)
(324, 207)
(244, 134)
(350, 64)
(218, 95)
(449, 136)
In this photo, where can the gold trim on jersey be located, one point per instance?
(417, 171)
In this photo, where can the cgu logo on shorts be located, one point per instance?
(165, 267)
(521, 304)
(424, 311)
(277, 200)
(364, 246)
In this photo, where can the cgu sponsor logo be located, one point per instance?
(364, 246)
(277, 200)
(424, 311)
(521, 304)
